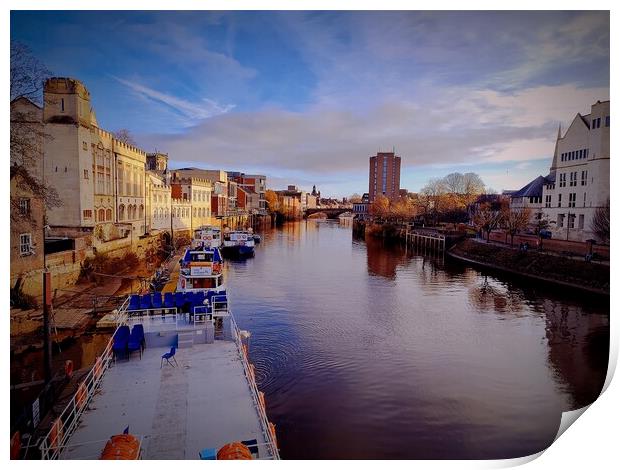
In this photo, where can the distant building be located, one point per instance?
(578, 180)
(360, 209)
(384, 175)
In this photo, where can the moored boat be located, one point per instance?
(208, 236)
(239, 243)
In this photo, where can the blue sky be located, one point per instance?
(307, 97)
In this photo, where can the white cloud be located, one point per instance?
(192, 111)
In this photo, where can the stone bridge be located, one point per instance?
(330, 213)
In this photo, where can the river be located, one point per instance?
(369, 351)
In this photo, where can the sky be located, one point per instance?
(307, 97)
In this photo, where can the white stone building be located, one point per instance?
(578, 180)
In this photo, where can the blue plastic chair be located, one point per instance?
(168, 300)
(120, 341)
(179, 299)
(145, 302)
(134, 302)
(157, 302)
(135, 341)
(167, 356)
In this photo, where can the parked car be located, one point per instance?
(545, 234)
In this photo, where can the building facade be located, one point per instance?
(578, 180)
(384, 175)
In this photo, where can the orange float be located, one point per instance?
(272, 429)
(69, 368)
(80, 395)
(98, 367)
(56, 433)
(16, 445)
(234, 451)
(121, 447)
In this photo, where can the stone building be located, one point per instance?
(27, 209)
(100, 180)
(578, 180)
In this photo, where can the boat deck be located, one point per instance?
(205, 402)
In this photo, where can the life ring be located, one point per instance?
(98, 368)
(80, 395)
(16, 445)
(272, 430)
(182, 283)
(56, 433)
(234, 451)
(69, 368)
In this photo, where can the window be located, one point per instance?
(85, 174)
(572, 198)
(560, 220)
(108, 215)
(121, 212)
(571, 220)
(580, 226)
(548, 200)
(25, 244)
(24, 206)
(562, 180)
(573, 178)
(559, 200)
(84, 146)
(584, 199)
(606, 121)
(87, 213)
(101, 215)
(584, 177)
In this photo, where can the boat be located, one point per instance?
(239, 243)
(257, 238)
(201, 269)
(208, 235)
(202, 402)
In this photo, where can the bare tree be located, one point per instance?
(125, 136)
(27, 132)
(487, 218)
(600, 224)
(355, 198)
(515, 220)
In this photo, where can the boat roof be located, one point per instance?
(217, 257)
(205, 402)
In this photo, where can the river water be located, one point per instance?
(368, 351)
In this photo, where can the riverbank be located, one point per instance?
(578, 274)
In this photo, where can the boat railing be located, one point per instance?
(64, 425)
(268, 431)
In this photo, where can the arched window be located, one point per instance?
(141, 212)
(121, 212)
(154, 213)
(101, 215)
(108, 215)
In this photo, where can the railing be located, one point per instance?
(268, 433)
(54, 442)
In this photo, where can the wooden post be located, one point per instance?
(47, 325)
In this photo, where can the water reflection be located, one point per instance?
(365, 351)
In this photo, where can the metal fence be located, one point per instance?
(267, 427)
(53, 443)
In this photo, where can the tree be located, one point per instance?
(125, 136)
(515, 220)
(487, 218)
(600, 224)
(272, 200)
(402, 208)
(380, 207)
(27, 132)
(463, 187)
(355, 198)
(541, 224)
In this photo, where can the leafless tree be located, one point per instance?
(125, 136)
(515, 220)
(27, 132)
(487, 218)
(600, 224)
